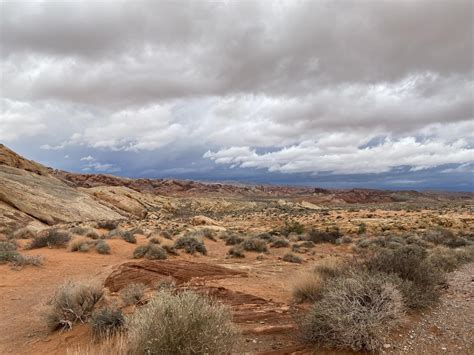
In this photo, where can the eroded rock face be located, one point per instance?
(48, 199)
(10, 158)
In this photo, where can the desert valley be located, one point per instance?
(265, 252)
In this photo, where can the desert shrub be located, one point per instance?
(102, 247)
(132, 293)
(236, 252)
(328, 236)
(92, 234)
(208, 233)
(183, 323)
(292, 258)
(72, 302)
(7, 256)
(362, 228)
(140, 251)
(154, 240)
(292, 227)
(24, 233)
(129, 237)
(363, 243)
(156, 252)
(190, 244)
(8, 245)
(265, 236)
(420, 279)
(254, 244)
(233, 239)
(53, 238)
(79, 244)
(356, 311)
(20, 260)
(170, 249)
(279, 243)
(413, 239)
(106, 322)
(330, 267)
(445, 237)
(109, 225)
(449, 259)
(307, 287)
(166, 235)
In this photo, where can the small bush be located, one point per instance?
(279, 243)
(92, 234)
(20, 260)
(154, 240)
(362, 228)
(292, 258)
(292, 227)
(170, 249)
(328, 236)
(109, 225)
(79, 244)
(448, 259)
(233, 239)
(344, 240)
(132, 293)
(355, 311)
(254, 244)
(24, 233)
(185, 323)
(236, 252)
(156, 252)
(102, 247)
(8, 245)
(106, 322)
(7, 256)
(307, 287)
(129, 237)
(420, 279)
(442, 236)
(209, 234)
(330, 267)
(191, 244)
(72, 302)
(54, 238)
(140, 251)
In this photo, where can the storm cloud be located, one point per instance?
(306, 87)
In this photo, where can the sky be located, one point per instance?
(343, 94)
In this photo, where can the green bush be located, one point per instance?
(106, 322)
(102, 247)
(191, 244)
(254, 244)
(236, 252)
(292, 227)
(279, 243)
(183, 323)
(53, 238)
(328, 236)
(109, 225)
(355, 311)
(233, 239)
(420, 279)
(292, 258)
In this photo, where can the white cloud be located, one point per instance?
(88, 158)
(310, 157)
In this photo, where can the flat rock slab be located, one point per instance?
(151, 272)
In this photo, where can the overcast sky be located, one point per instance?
(329, 93)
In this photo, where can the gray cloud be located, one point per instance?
(307, 80)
